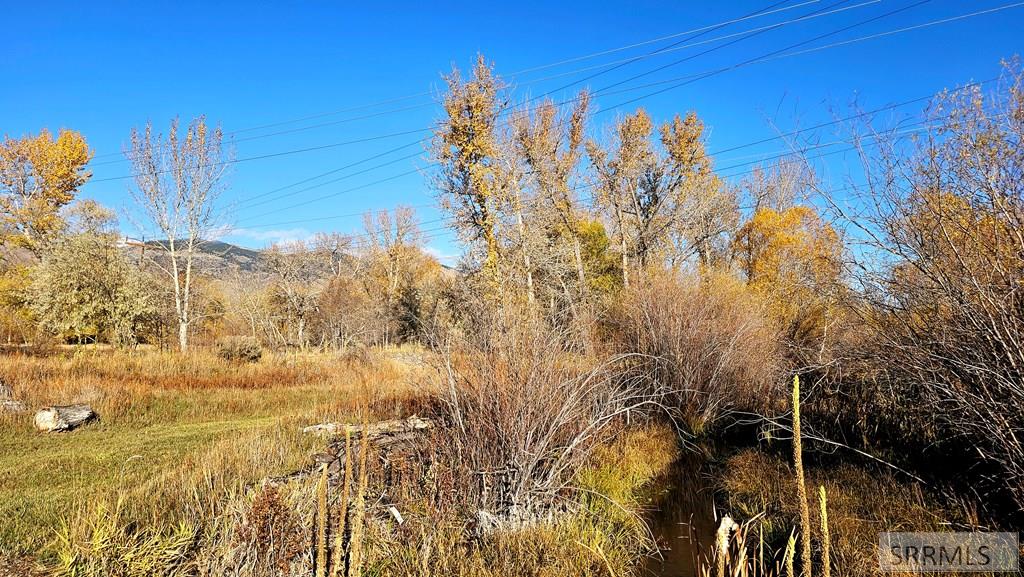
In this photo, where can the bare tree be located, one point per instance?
(391, 246)
(297, 276)
(178, 179)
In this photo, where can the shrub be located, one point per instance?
(941, 293)
(241, 349)
(272, 536)
(525, 415)
(705, 340)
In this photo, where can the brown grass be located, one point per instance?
(173, 443)
(705, 341)
(861, 503)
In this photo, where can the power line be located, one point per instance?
(774, 56)
(799, 160)
(289, 152)
(760, 13)
(846, 119)
(764, 12)
(329, 172)
(616, 66)
(828, 10)
(673, 48)
(664, 49)
(823, 12)
(353, 189)
(784, 53)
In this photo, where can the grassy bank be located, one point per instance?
(863, 500)
(171, 474)
(176, 434)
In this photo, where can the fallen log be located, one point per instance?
(12, 406)
(392, 437)
(373, 431)
(63, 417)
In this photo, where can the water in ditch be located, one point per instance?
(682, 518)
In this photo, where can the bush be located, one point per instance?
(240, 349)
(705, 340)
(941, 287)
(525, 414)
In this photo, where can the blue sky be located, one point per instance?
(102, 68)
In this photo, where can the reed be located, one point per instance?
(789, 554)
(356, 541)
(339, 539)
(826, 541)
(321, 523)
(725, 529)
(801, 487)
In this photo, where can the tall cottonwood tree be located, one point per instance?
(664, 203)
(466, 148)
(178, 180)
(38, 176)
(619, 175)
(297, 276)
(552, 145)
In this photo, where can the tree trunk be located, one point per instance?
(625, 264)
(526, 254)
(63, 418)
(182, 334)
(580, 271)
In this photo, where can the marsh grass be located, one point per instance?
(861, 503)
(178, 437)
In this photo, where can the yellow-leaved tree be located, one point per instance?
(38, 176)
(792, 259)
(465, 146)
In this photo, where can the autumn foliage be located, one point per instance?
(38, 176)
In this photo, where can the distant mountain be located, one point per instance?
(214, 257)
(219, 258)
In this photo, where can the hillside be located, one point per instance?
(217, 257)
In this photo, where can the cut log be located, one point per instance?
(63, 418)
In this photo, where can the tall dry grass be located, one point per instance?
(148, 387)
(704, 340)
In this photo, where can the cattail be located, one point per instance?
(725, 529)
(339, 539)
(790, 552)
(826, 541)
(760, 550)
(321, 523)
(801, 488)
(356, 542)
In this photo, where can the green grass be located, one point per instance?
(49, 477)
(167, 451)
